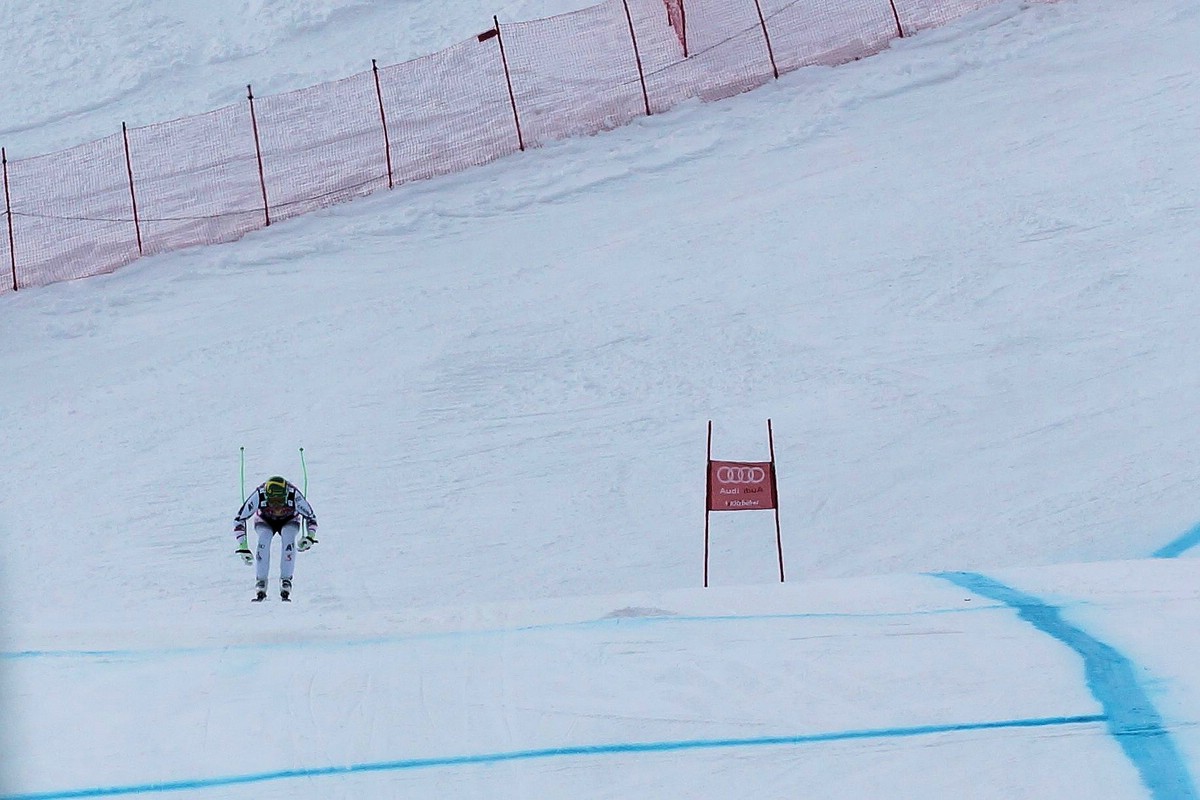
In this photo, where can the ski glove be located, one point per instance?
(243, 550)
(306, 541)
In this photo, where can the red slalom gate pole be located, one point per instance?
(775, 494)
(707, 500)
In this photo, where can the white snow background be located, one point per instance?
(960, 277)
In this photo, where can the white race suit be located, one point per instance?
(270, 520)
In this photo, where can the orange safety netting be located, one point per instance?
(214, 177)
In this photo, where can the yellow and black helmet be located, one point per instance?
(275, 490)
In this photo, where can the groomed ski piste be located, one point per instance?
(958, 276)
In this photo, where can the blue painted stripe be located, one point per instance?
(1180, 545)
(159, 652)
(551, 752)
(1130, 715)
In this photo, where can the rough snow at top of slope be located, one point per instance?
(75, 71)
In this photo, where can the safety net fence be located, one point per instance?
(216, 176)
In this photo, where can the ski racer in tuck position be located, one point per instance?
(277, 507)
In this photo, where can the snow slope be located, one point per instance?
(956, 276)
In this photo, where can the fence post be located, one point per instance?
(683, 26)
(896, 16)
(137, 225)
(12, 251)
(387, 142)
(512, 98)
(638, 56)
(262, 180)
(767, 36)
(675, 10)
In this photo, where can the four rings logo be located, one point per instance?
(741, 474)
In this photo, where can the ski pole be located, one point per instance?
(304, 467)
(243, 471)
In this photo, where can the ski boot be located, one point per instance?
(260, 591)
(285, 589)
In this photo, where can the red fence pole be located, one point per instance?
(12, 251)
(775, 492)
(262, 179)
(767, 36)
(638, 56)
(683, 26)
(137, 225)
(675, 11)
(387, 143)
(512, 97)
(896, 16)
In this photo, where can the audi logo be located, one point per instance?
(741, 474)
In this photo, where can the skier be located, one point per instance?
(278, 507)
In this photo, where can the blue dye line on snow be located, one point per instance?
(1180, 545)
(1128, 712)
(157, 652)
(552, 752)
